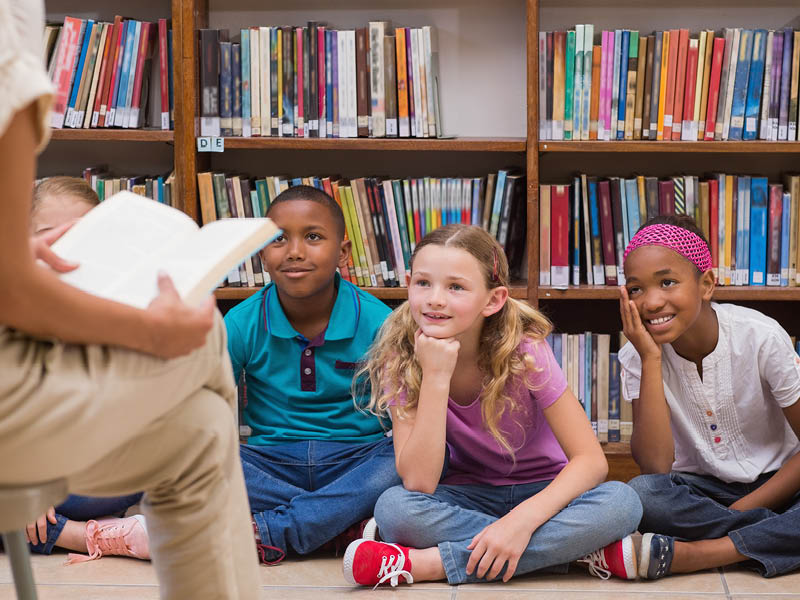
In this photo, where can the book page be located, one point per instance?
(116, 238)
(197, 262)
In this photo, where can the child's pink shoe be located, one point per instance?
(367, 562)
(119, 537)
(618, 558)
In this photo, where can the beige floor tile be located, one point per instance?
(324, 593)
(109, 570)
(317, 572)
(496, 594)
(766, 596)
(705, 583)
(86, 592)
(743, 581)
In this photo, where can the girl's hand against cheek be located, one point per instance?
(436, 356)
(502, 542)
(634, 329)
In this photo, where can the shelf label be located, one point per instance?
(210, 144)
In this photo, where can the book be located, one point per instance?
(773, 243)
(740, 86)
(758, 231)
(680, 82)
(124, 242)
(559, 253)
(754, 85)
(544, 235)
(701, 112)
(645, 53)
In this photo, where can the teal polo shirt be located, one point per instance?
(300, 389)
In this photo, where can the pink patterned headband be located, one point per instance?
(689, 245)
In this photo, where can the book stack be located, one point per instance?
(592, 371)
(751, 225)
(315, 81)
(110, 74)
(738, 84)
(105, 185)
(384, 218)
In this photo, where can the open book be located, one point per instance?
(122, 243)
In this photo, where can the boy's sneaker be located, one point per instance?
(655, 559)
(367, 562)
(118, 537)
(618, 558)
(366, 529)
(267, 555)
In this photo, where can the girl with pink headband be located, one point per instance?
(716, 416)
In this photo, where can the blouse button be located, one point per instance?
(709, 413)
(714, 427)
(717, 439)
(307, 352)
(307, 371)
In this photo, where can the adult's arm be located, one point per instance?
(35, 301)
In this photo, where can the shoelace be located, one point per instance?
(597, 564)
(393, 572)
(108, 539)
(262, 554)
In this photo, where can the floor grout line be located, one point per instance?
(724, 583)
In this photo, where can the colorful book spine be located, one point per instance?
(569, 84)
(758, 230)
(740, 86)
(754, 85)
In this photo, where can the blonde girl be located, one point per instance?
(501, 472)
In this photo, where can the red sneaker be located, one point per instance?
(618, 558)
(367, 562)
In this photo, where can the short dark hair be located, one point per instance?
(312, 194)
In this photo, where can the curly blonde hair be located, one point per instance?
(392, 366)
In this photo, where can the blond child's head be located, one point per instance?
(57, 200)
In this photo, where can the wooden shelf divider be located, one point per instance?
(114, 135)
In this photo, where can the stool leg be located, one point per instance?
(17, 548)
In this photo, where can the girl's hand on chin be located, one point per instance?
(436, 356)
(634, 329)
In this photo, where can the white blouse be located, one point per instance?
(730, 423)
(23, 78)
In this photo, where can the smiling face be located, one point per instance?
(302, 261)
(447, 292)
(667, 289)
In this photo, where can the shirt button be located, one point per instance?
(307, 352)
(307, 371)
(714, 427)
(709, 413)
(717, 439)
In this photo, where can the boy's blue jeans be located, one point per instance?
(304, 494)
(451, 516)
(83, 508)
(695, 507)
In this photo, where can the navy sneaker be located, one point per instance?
(655, 558)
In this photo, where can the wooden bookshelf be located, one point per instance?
(519, 290)
(516, 145)
(658, 147)
(721, 293)
(113, 135)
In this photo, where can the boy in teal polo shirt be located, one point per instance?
(314, 465)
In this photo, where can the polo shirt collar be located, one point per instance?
(343, 322)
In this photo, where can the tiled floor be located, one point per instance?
(320, 578)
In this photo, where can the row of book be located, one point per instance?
(751, 225)
(315, 81)
(105, 185)
(383, 218)
(110, 74)
(593, 374)
(741, 84)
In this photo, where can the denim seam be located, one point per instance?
(741, 546)
(449, 564)
(53, 532)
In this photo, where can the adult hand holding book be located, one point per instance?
(123, 244)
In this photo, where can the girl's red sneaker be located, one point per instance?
(367, 562)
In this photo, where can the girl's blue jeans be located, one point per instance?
(451, 516)
(83, 508)
(695, 507)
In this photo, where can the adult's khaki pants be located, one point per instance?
(113, 422)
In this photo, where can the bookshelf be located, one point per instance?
(489, 65)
